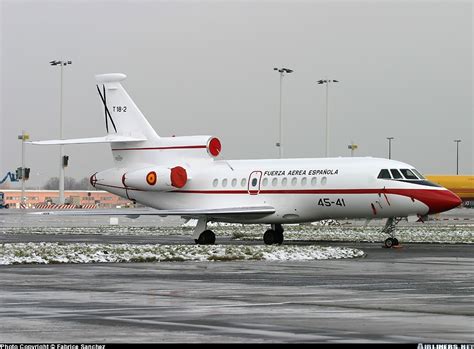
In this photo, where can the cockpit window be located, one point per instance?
(396, 174)
(408, 174)
(420, 176)
(384, 174)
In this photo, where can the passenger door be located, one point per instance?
(254, 182)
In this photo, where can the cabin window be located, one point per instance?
(234, 182)
(265, 182)
(396, 174)
(243, 182)
(284, 182)
(324, 180)
(420, 176)
(304, 180)
(294, 181)
(215, 182)
(408, 174)
(224, 182)
(314, 181)
(384, 174)
(274, 182)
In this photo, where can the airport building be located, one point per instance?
(73, 198)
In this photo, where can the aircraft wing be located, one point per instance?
(193, 212)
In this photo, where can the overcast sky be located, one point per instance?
(206, 67)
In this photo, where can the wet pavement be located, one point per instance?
(417, 293)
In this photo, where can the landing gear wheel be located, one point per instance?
(389, 242)
(278, 237)
(389, 229)
(207, 237)
(270, 237)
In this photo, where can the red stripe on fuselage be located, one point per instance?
(165, 148)
(404, 192)
(117, 187)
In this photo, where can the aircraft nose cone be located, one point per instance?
(443, 200)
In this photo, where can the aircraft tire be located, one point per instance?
(278, 238)
(207, 237)
(395, 242)
(270, 237)
(389, 242)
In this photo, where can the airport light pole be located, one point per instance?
(327, 82)
(352, 147)
(23, 137)
(390, 147)
(457, 155)
(282, 72)
(61, 147)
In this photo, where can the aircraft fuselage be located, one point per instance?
(300, 190)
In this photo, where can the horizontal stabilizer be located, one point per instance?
(194, 212)
(105, 139)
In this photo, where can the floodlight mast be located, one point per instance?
(282, 72)
(61, 63)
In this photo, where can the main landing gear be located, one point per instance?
(389, 228)
(207, 237)
(274, 235)
(203, 236)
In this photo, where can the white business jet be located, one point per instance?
(184, 176)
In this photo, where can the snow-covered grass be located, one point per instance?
(49, 253)
(420, 233)
(19, 253)
(416, 232)
(98, 230)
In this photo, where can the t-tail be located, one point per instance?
(121, 114)
(134, 142)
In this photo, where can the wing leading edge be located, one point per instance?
(105, 139)
(212, 212)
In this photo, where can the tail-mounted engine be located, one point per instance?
(156, 178)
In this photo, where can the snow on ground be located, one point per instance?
(48, 253)
(417, 232)
(45, 253)
(118, 230)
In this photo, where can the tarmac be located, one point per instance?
(417, 293)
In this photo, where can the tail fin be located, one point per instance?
(122, 116)
(131, 137)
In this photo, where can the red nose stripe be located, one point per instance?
(437, 200)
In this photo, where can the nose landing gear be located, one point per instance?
(389, 229)
(391, 242)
